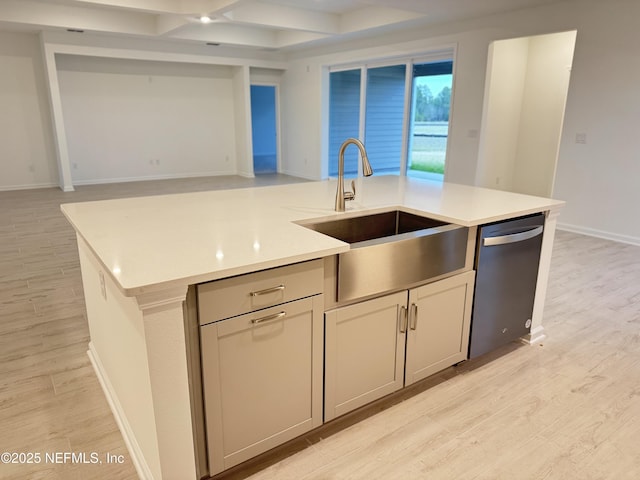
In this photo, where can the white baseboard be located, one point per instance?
(130, 441)
(30, 186)
(299, 175)
(535, 336)
(592, 232)
(170, 176)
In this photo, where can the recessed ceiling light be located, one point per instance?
(205, 19)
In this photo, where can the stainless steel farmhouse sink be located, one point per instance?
(392, 250)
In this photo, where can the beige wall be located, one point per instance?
(597, 179)
(27, 156)
(128, 120)
(543, 105)
(506, 75)
(526, 92)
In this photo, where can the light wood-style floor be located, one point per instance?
(568, 408)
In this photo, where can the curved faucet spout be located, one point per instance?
(367, 171)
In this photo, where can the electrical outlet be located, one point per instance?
(103, 287)
(581, 138)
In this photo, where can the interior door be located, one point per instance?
(264, 131)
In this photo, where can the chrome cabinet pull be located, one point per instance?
(403, 319)
(269, 318)
(267, 291)
(413, 323)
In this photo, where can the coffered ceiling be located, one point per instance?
(264, 24)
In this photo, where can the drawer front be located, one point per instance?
(246, 293)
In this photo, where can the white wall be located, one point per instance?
(242, 122)
(543, 105)
(303, 86)
(598, 180)
(301, 120)
(27, 157)
(506, 74)
(131, 120)
(526, 91)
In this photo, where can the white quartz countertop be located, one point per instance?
(154, 243)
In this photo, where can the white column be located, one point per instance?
(244, 142)
(537, 330)
(165, 338)
(55, 102)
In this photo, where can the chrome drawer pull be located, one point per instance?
(269, 318)
(266, 291)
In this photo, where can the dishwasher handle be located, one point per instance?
(513, 237)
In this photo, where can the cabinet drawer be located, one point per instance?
(245, 293)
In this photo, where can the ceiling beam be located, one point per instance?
(285, 18)
(228, 34)
(151, 6)
(288, 38)
(175, 7)
(40, 14)
(168, 24)
(210, 7)
(374, 17)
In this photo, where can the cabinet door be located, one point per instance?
(262, 379)
(364, 353)
(439, 320)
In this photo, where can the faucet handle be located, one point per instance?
(351, 195)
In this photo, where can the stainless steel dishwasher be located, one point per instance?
(507, 258)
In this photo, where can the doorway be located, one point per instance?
(525, 96)
(264, 131)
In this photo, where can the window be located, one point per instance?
(400, 111)
(384, 120)
(430, 118)
(344, 119)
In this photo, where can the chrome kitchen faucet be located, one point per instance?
(367, 171)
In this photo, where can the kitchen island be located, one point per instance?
(139, 257)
